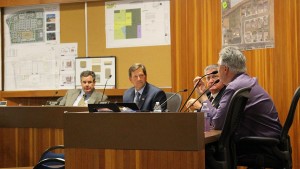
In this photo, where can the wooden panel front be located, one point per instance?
(26, 132)
(134, 140)
(34, 116)
(133, 159)
(22, 147)
(134, 131)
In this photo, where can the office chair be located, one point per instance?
(57, 163)
(173, 105)
(50, 159)
(281, 156)
(222, 152)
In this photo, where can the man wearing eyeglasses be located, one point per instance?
(259, 118)
(215, 92)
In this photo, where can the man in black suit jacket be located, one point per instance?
(143, 93)
(215, 92)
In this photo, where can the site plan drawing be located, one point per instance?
(132, 23)
(34, 57)
(248, 24)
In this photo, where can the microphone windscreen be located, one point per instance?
(214, 72)
(217, 81)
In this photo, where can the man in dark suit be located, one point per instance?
(86, 95)
(143, 93)
(215, 92)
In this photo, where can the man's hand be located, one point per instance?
(200, 85)
(196, 106)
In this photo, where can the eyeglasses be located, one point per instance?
(213, 77)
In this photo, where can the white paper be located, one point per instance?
(132, 23)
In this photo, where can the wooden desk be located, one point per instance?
(212, 136)
(27, 131)
(134, 140)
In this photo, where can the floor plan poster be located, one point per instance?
(131, 23)
(35, 24)
(34, 58)
(248, 24)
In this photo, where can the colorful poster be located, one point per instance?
(132, 23)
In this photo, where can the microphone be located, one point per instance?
(215, 82)
(212, 73)
(105, 87)
(173, 96)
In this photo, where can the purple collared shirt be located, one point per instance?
(260, 116)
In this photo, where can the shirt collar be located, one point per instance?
(214, 95)
(140, 91)
(87, 95)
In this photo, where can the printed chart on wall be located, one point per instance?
(132, 23)
(248, 24)
(104, 68)
(34, 57)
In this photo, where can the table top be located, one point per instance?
(212, 136)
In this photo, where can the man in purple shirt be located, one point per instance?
(260, 115)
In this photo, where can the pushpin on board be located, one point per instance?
(224, 5)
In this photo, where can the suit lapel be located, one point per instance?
(74, 96)
(92, 99)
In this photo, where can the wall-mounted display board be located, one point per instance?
(34, 58)
(104, 68)
(157, 59)
(90, 41)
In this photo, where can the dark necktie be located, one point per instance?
(211, 98)
(137, 98)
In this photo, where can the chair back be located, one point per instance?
(44, 164)
(285, 143)
(51, 159)
(290, 118)
(279, 154)
(174, 103)
(49, 153)
(235, 111)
